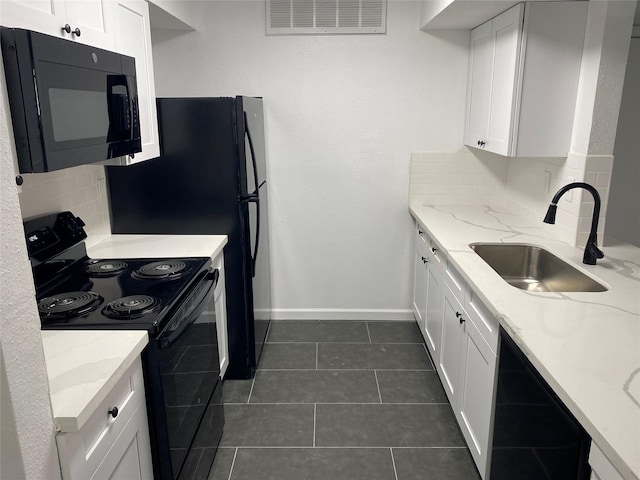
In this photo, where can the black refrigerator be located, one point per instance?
(210, 179)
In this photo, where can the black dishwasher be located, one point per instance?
(535, 436)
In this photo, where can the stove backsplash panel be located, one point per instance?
(81, 190)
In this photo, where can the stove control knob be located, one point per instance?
(113, 412)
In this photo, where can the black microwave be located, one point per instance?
(71, 104)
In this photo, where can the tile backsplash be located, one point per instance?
(460, 178)
(81, 190)
(525, 185)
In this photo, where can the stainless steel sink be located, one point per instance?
(533, 268)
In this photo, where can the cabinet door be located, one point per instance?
(130, 456)
(475, 394)
(506, 36)
(45, 16)
(420, 289)
(94, 20)
(434, 313)
(479, 86)
(133, 38)
(449, 358)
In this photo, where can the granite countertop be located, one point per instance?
(158, 246)
(83, 366)
(585, 345)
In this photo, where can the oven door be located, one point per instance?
(189, 371)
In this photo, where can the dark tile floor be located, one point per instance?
(338, 400)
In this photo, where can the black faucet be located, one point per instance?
(591, 250)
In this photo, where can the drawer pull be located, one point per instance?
(113, 412)
(459, 315)
(434, 250)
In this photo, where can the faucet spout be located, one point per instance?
(591, 250)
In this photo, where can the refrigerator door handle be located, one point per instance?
(256, 183)
(254, 198)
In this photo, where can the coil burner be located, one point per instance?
(68, 305)
(106, 269)
(168, 269)
(130, 307)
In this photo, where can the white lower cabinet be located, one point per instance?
(462, 337)
(427, 291)
(111, 445)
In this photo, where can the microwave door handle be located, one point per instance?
(117, 117)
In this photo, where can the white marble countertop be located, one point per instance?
(83, 366)
(586, 345)
(158, 246)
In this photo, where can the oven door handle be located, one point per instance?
(167, 339)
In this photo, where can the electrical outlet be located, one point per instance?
(569, 195)
(547, 181)
(101, 185)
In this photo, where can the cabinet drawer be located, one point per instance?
(421, 241)
(82, 452)
(483, 319)
(454, 281)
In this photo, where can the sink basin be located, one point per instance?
(533, 268)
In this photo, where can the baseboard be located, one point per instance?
(340, 314)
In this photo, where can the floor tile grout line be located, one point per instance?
(393, 462)
(375, 373)
(253, 382)
(315, 409)
(233, 462)
(335, 403)
(359, 369)
(317, 354)
(330, 447)
(368, 332)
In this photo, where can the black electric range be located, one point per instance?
(173, 300)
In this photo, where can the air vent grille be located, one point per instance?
(291, 17)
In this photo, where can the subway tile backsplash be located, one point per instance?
(461, 178)
(525, 185)
(81, 190)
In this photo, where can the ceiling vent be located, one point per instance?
(314, 17)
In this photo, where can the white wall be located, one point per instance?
(343, 114)
(27, 398)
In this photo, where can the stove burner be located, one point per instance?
(106, 269)
(160, 270)
(133, 306)
(68, 305)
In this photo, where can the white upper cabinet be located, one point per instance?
(86, 21)
(524, 67)
(133, 38)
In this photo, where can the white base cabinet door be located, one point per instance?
(476, 393)
(434, 312)
(449, 359)
(111, 444)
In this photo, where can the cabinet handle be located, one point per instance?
(424, 260)
(66, 28)
(113, 412)
(481, 143)
(420, 232)
(76, 32)
(434, 250)
(459, 316)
